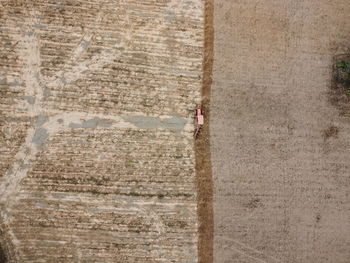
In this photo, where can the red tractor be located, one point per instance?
(198, 121)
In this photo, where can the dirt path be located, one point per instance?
(202, 148)
(281, 187)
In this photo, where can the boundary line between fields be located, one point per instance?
(202, 147)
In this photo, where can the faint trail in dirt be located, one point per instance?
(241, 246)
(30, 53)
(29, 50)
(247, 255)
(84, 43)
(81, 68)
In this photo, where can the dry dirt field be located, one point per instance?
(280, 149)
(97, 158)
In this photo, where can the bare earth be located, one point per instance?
(281, 184)
(97, 158)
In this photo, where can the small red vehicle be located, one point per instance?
(198, 121)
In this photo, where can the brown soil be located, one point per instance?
(202, 147)
(280, 186)
(3, 246)
(7, 250)
(332, 131)
(3, 258)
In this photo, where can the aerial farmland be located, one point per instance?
(175, 131)
(97, 156)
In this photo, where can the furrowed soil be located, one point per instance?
(280, 146)
(97, 156)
